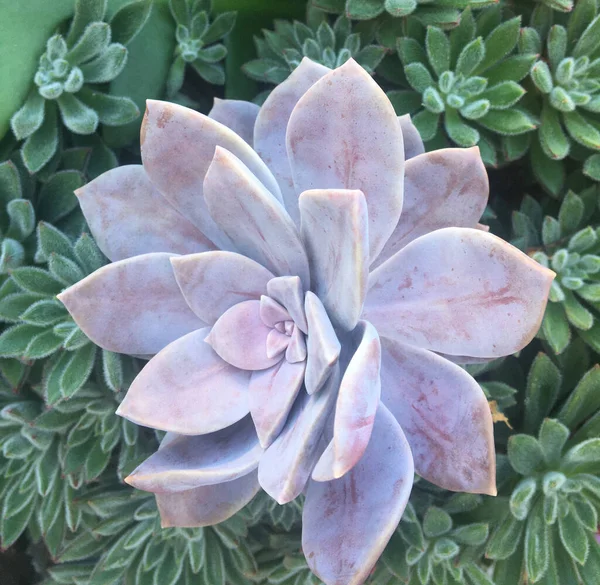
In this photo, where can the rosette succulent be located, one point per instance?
(303, 295)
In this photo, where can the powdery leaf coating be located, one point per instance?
(271, 126)
(252, 218)
(240, 337)
(272, 393)
(413, 144)
(206, 505)
(238, 115)
(271, 312)
(128, 216)
(187, 372)
(344, 134)
(133, 306)
(459, 291)
(335, 231)
(348, 521)
(443, 188)
(187, 462)
(178, 145)
(213, 282)
(288, 291)
(287, 464)
(323, 345)
(444, 415)
(356, 405)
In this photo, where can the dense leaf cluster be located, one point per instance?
(519, 79)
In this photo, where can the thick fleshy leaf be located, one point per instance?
(252, 218)
(271, 125)
(187, 389)
(206, 505)
(272, 394)
(288, 291)
(413, 144)
(323, 346)
(271, 312)
(296, 350)
(347, 522)
(128, 216)
(277, 343)
(335, 231)
(133, 306)
(287, 464)
(356, 406)
(344, 134)
(443, 188)
(240, 337)
(190, 462)
(238, 115)
(459, 291)
(178, 145)
(212, 282)
(445, 416)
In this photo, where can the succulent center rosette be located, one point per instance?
(305, 280)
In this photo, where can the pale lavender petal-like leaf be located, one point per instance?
(271, 312)
(277, 343)
(133, 306)
(272, 394)
(271, 125)
(287, 464)
(240, 337)
(459, 291)
(335, 231)
(347, 522)
(443, 188)
(206, 505)
(323, 346)
(178, 145)
(296, 350)
(212, 282)
(190, 462)
(413, 144)
(344, 134)
(128, 216)
(356, 406)
(445, 416)
(256, 222)
(238, 115)
(288, 291)
(187, 389)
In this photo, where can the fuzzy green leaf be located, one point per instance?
(438, 50)
(524, 453)
(573, 537)
(94, 40)
(508, 122)
(543, 385)
(30, 117)
(363, 10)
(553, 436)
(106, 66)
(111, 110)
(129, 20)
(589, 40)
(461, 133)
(537, 546)
(470, 57)
(40, 147)
(86, 12)
(76, 116)
(500, 42)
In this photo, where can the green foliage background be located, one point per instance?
(521, 79)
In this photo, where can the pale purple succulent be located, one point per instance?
(304, 332)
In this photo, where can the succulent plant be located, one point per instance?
(567, 84)
(570, 245)
(467, 82)
(282, 50)
(446, 13)
(282, 304)
(69, 80)
(197, 43)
